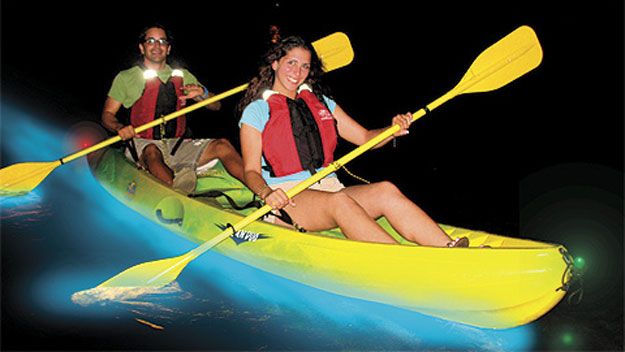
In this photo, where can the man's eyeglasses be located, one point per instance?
(152, 41)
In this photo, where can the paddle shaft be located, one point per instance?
(334, 51)
(462, 87)
(490, 71)
(333, 167)
(156, 122)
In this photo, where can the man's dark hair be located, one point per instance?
(142, 37)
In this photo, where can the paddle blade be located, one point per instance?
(510, 58)
(334, 51)
(150, 274)
(19, 179)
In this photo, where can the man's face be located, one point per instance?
(156, 47)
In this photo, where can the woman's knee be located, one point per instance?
(340, 202)
(317, 210)
(387, 189)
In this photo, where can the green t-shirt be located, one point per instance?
(129, 84)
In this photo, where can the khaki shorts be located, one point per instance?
(184, 162)
(328, 184)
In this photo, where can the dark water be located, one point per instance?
(69, 235)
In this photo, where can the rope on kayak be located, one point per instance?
(354, 175)
(574, 286)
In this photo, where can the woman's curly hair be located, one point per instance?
(266, 75)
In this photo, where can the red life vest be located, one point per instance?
(144, 109)
(300, 134)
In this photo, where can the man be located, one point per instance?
(153, 89)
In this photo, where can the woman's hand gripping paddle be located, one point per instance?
(335, 51)
(500, 64)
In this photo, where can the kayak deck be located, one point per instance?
(509, 282)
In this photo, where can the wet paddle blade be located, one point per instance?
(510, 58)
(19, 179)
(150, 274)
(334, 51)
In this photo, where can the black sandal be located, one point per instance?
(459, 242)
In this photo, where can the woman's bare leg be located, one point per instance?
(384, 199)
(319, 211)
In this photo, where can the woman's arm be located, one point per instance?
(251, 149)
(353, 132)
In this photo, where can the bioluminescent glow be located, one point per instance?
(90, 237)
(580, 263)
(567, 339)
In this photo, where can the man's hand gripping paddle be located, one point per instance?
(335, 51)
(503, 62)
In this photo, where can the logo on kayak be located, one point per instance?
(130, 190)
(243, 235)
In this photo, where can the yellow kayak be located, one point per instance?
(498, 282)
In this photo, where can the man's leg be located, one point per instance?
(152, 159)
(225, 152)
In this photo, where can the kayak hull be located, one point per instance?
(508, 282)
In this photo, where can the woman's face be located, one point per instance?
(291, 71)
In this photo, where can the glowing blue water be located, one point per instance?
(69, 235)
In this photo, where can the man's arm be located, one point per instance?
(199, 93)
(110, 121)
(196, 91)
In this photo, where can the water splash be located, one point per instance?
(104, 295)
(24, 212)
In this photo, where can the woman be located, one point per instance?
(278, 155)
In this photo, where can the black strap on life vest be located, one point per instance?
(306, 134)
(166, 103)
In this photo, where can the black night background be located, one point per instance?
(540, 158)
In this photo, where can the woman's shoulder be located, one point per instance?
(256, 114)
(257, 105)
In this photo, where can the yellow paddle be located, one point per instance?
(335, 51)
(503, 62)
